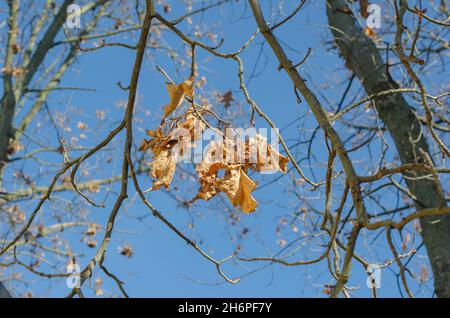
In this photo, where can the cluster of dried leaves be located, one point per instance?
(225, 163)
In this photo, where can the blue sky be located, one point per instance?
(163, 265)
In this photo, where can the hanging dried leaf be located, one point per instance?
(91, 243)
(215, 158)
(177, 92)
(167, 148)
(98, 285)
(14, 71)
(162, 169)
(17, 216)
(405, 242)
(81, 125)
(207, 171)
(186, 133)
(158, 143)
(194, 125)
(14, 147)
(93, 188)
(91, 231)
(226, 155)
(233, 157)
(238, 187)
(167, 8)
(370, 32)
(235, 183)
(126, 250)
(363, 4)
(423, 274)
(227, 98)
(267, 158)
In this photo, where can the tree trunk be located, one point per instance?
(364, 60)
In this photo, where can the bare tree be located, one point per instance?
(364, 60)
(395, 110)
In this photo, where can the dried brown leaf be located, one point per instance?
(238, 187)
(177, 92)
(162, 169)
(227, 98)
